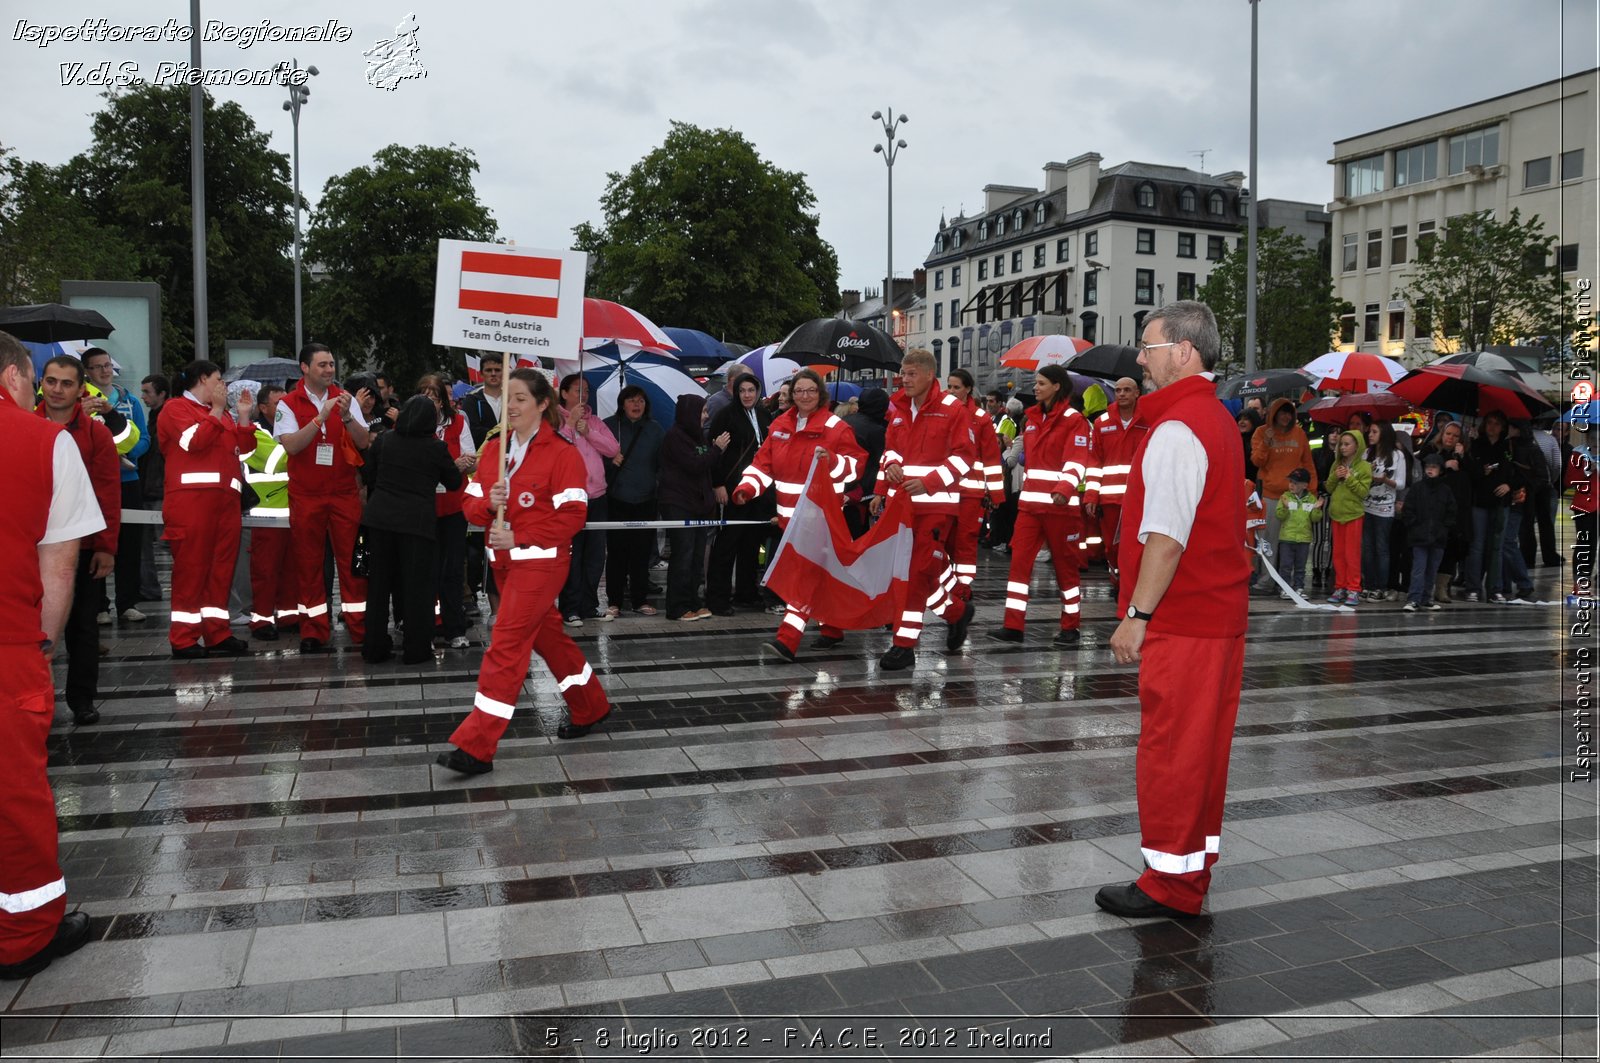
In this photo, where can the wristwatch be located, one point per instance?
(1135, 613)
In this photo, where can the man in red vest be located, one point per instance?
(50, 505)
(1184, 598)
(317, 422)
(1117, 435)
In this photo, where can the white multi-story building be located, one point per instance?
(1089, 255)
(1397, 188)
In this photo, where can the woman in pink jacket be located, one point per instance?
(580, 598)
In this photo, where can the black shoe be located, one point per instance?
(827, 642)
(189, 653)
(777, 649)
(265, 634)
(1065, 638)
(958, 630)
(1134, 903)
(86, 716)
(312, 646)
(726, 610)
(464, 762)
(71, 934)
(897, 658)
(578, 730)
(232, 646)
(1006, 634)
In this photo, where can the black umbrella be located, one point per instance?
(1470, 389)
(1488, 360)
(836, 341)
(281, 371)
(1264, 382)
(1108, 361)
(49, 322)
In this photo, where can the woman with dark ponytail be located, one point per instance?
(201, 441)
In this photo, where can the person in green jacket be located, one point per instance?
(1298, 510)
(274, 574)
(1349, 481)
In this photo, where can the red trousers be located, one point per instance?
(1347, 555)
(202, 528)
(33, 893)
(528, 622)
(794, 626)
(274, 578)
(964, 548)
(312, 519)
(933, 580)
(1188, 700)
(1060, 532)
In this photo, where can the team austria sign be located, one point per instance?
(523, 301)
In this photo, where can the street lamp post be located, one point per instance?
(1250, 206)
(889, 149)
(299, 96)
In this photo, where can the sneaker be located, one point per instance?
(645, 610)
(459, 643)
(1497, 598)
(777, 609)
(1352, 600)
(103, 618)
(1337, 597)
(1409, 607)
(1286, 596)
(702, 614)
(612, 612)
(573, 621)
(133, 616)
(1472, 596)
(688, 618)
(1433, 607)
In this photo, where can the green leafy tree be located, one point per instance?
(1486, 282)
(1296, 308)
(376, 232)
(703, 233)
(47, 235)
(135, 180)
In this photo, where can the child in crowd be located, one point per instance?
(1429, 515)
(1298, 511)
(1350, 482)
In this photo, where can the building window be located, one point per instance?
(1038, 256)
(1091, 327)
(1000, 225)
(983, 229)
(1397, 325)
(1144, 287)
(1567, 258)
(938, 315)
(1147, 195)
(955, 276)
(1091, 288)
(955, 238)
(1572, 164)
(1016, 219)
(1481, 147)
(1374, 248)
(1145, 241)
(938, 282)
(1397, 245)
(1186, 286)
(1363, 176)
(1216, 248)
(1420, 162)
(1063, 250)
(1536, 172)
(1421, 322)
(1186, 199)
(1347, 328)
(1186, 245)
(1349, 260)
(1214, 204)
(1016, 261)
(1425, 235)
(955, 353)
(1038, 213)
(983, 269)
(938, 243)
(1091, 243)
(999, 265)
(1369, 326)
(955, 312)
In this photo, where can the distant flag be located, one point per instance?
(474, 369)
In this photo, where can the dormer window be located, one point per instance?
(1214, 204)
(1038, 213)
(1016, 219)
(1000, 225)
(1147, 196)
(938, 243)
(1187, 200)
(983, 229)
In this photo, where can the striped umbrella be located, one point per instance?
(771, 370)
(1469, 389)
(1353, 371)
(1035, 351)
(607, 322)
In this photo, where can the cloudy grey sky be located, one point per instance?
(551, 96)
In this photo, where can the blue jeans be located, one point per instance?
(1514, 576)
(1425, 562)
(1292, 562)
(1488, 535)
(1375, 532)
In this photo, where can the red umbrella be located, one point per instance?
(1353, 371)
(1035, 351)
(1469, 389)
(1338, 409)
(607, 322)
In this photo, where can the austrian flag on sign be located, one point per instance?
(510, 284)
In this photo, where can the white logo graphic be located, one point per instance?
(395, 60)
(525, 500)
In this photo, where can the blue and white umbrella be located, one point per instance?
(660, 377)
(698, 351)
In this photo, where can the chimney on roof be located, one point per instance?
(1055, 176)
(849, 297)
(919, 280)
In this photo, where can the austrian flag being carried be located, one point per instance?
(496, 297)
(510, 284)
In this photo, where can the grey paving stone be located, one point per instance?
(758, 945)
(976, 968)
(652, 959)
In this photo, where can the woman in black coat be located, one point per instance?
(688, 464)
(731, 575)
(402, 471)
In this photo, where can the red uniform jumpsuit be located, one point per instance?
(934, 444)
(201, 513)
(1114, 444)
(782, 463)
(546, 508)
(986, 478)
(1192, 659)
(324, 503)
(1056, 455)
(33, 893)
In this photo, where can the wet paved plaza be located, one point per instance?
(759, 860)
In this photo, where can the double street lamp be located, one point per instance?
(290, 75)
(889, 149)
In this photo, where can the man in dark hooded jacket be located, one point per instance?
(869, 423)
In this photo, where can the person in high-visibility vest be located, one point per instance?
(274, 571)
